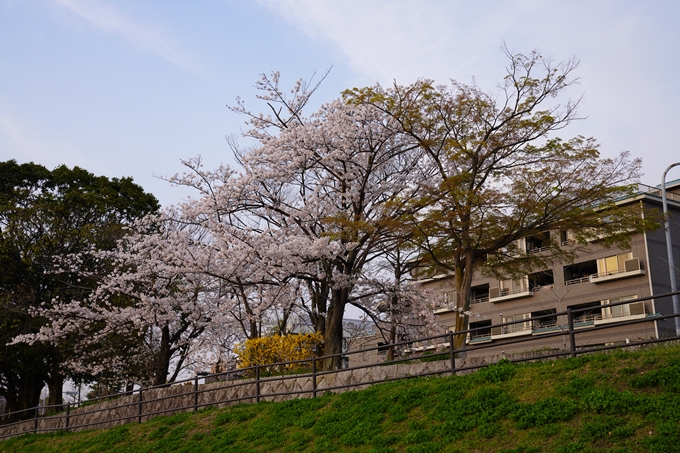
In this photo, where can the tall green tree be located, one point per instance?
(495, 173)
(44, 215)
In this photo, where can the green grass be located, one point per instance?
(617, 402)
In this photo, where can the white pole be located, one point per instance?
(669, 248)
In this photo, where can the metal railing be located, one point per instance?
(576, 281)
(188, 395)
(537, 250)
(656, 191)
(536, 289)
(507, 292)
(614, 272)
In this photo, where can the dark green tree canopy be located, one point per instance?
(45, 214)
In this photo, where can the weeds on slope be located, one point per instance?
(617, 402)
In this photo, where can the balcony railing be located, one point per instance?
(451, 306)
(545, 326)
(656, 191)
(537, 250)
(634, 268)
(508, 292)
(587, 320)
(481, 336)
(536, 289)
(519, 327)
(576, 281)
(498, 294)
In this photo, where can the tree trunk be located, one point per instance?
(463, 278)
(163, 359)
(319, 298)
(333, 337)
(55, 385)
(24, 394)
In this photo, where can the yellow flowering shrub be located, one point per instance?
(278, 348)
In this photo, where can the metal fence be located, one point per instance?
(248, 384)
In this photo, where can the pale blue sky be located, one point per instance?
(130, 87)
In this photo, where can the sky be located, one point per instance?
(132, 88)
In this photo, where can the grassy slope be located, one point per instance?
(618, 402)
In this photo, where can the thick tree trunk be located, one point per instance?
(319, 293)
(26, 394)
(163, 359)
(463, 278)
(55, 385)
(333, 338)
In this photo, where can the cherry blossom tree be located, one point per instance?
(335, 186)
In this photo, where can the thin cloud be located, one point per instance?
(388, 40)
(623, 47)
(22, 142)
(108, 19)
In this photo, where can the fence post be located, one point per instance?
(68, 412)
(257, 383)
(35, 420)
(452, 354)
(572, 337)
(139, 411)
(196, 394)
(314, 378)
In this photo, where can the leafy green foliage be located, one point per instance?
(593, 403)
(44, 214)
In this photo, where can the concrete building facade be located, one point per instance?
(597, 276)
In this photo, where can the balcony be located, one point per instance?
(513, 330)
(449, 303)
(586, 320)
(444, 309)
(631, 268)
(576, 281)
(501, 294)
(536, 289)
(546, 327)
(656, 191)
(479, 338)
(634, 310)
(537, 250)
(479, 300)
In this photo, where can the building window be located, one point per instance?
(624, 310)
(587, 313)
(541, 280)
(518, 326)
(450, 298)
(579, 272)
(480, 331)
(567, 237)
(514, 286)
(479, 294)
(546, 322)
(538, 243)
(612, 265)
(510, 289)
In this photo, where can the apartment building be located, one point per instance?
(597, 276)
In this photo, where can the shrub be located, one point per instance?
(276, 349)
